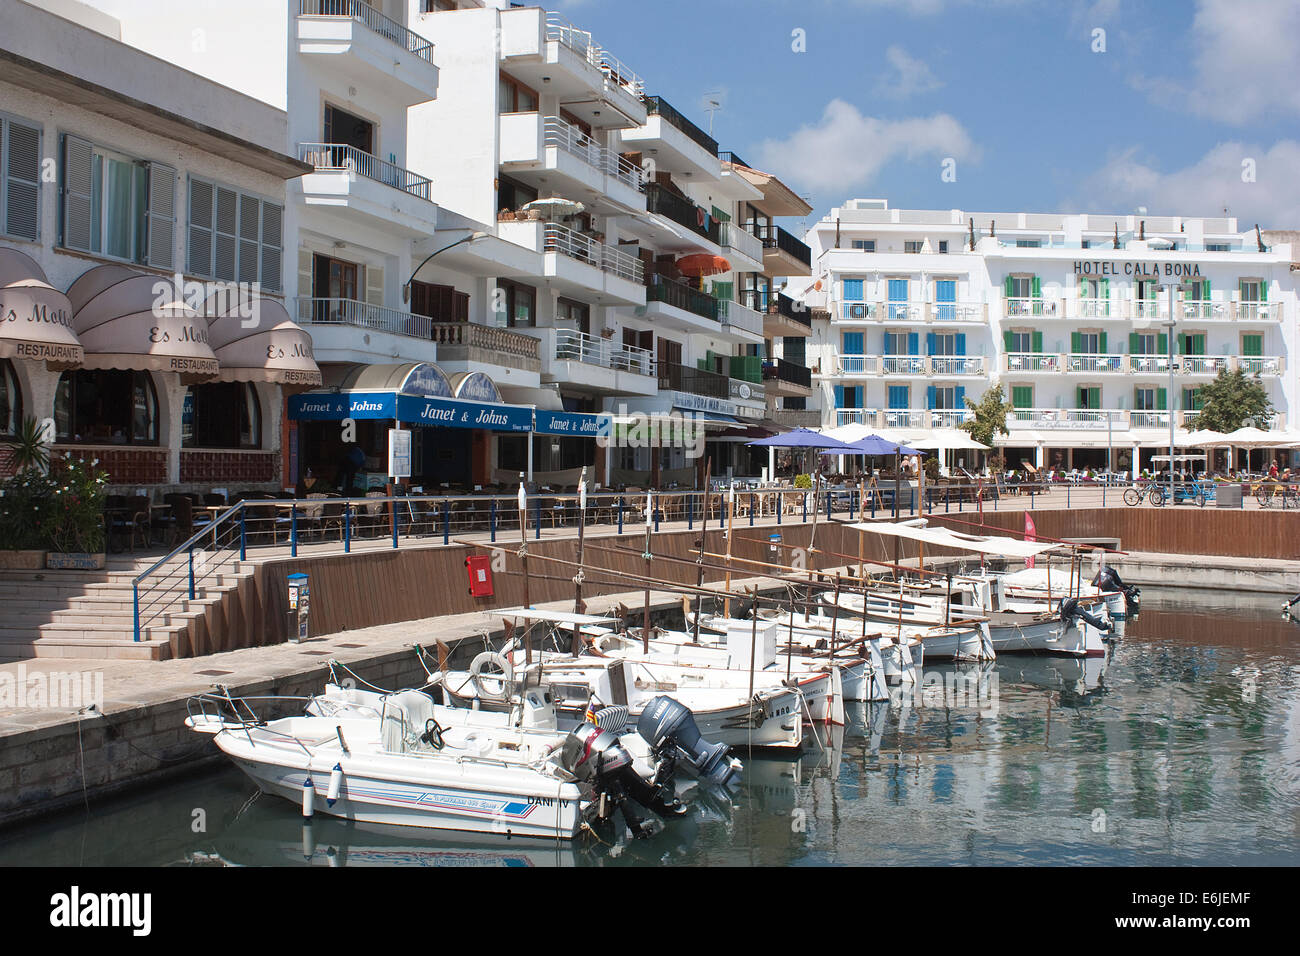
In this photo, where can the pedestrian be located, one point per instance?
(1272, 470)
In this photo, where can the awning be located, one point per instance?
(577, 424)
(35, 317)
(129, 320)
(409, 409)
(410, 378)
(257, 342)
(946, 538)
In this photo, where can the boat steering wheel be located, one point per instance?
(432, 734)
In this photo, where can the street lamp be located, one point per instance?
(1170, 324)
(406, 287)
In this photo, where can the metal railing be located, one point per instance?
(556, 132)
(662, 289)
(1091, 362)
(574, 346)
(790, 309)
(778, 238)
(727, 156)
(664, 202)
(859, 365)
(783, 371)
(742, 317)
(658, 106)
(315, 311)
(576, 246)
(1065, 417)
(1032, 362)
(697, 381)
(1202, 364)
(369, 16)
(336, 157)
(1146, 364)
(731, 236)
(1260, 364)
(1094, 308)
(1015, 307)
(581, 43)
(902, 364)
(956, 365)
(1148, 419)
(859, 312)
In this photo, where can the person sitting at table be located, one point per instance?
(1272, 470)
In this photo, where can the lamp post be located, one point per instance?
(1170, 325)
(406, 287)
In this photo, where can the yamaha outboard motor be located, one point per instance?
(669, 727)
(597, 758)
(1070, 610)
(1108, 579)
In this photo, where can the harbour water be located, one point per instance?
(1182, 747)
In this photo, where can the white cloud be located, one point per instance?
(1245, 62)
(845, 149)
(1205, 187)
(908, 76)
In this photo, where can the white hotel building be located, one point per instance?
(1070, 313)
(431, 121)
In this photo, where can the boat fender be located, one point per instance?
(336, 784)
(308, 797)
(476, 671)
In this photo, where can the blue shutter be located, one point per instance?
(897, 397)
(889, 344)
(960, 394)
(839, 396)
(961, 343)
(929, 396)
(853, 343)
(929, 343)
(913, 343)
(852, 290)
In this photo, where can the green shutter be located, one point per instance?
(1037, 287)
(1036, 341)
(1252, 345)
(1134, 343)
(1022, 396)
(1162, 399)
(1006, 341)
(1007, 288)
(1162, 344)
(1076, 346)
(1101, 343)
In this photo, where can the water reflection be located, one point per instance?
(1182, 745)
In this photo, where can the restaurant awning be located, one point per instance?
(35, 317)
(257, 342)
(129, 320)
(409, 410)
(410, 378)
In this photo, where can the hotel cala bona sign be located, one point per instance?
(1137, 270)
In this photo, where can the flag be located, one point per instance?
(1029, 536)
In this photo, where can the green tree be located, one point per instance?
(28, 448)
(1233, 400)
(990, 416)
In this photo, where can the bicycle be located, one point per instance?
(1135, 496)
(1287, 494)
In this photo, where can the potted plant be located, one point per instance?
(22, 542)
(74, 523)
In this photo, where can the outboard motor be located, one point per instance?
(597, 758)
(1108, 579)
(669, 727)
(1070, 610)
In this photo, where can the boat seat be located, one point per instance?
(404, 717)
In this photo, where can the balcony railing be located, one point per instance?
(1090, 362)
(902, 364)
(1260, 364)
(367, 15)
(859, 365)
(790, 309)
(957, 311)
(1253, 311)
(899, 311)
(855, 416)
(581, 43)
(487, 338)
(566, 136)
(859, 312)
(1016, 307)
(731, 236)
(1065, 418)
(1033, 362)
(1147, 364)
(576, 246)
(335, 157)
(313, 311)
(659, 106)
(1141, 418)
(1089, 308)
(671, 292)
(727, 156)
(680, 210)
(778, 238)
(947, 417)
(1202, 364)
(956, 365)
(783, 371)
(740, 317)
(574, 346)
(1148, 309)
(697, 381)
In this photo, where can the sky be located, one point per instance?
(1182, 106)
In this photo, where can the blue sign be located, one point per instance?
(336, 406)
(450, 413)
(426, 379)
(578, 424)
(477, 387)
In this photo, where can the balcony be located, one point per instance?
(740, 320)
(783, 316)
(1065, 418)
(1148, 419)
(783, 254)
(1102, 364)
(1149, 364)
(1257, 311)
(663, 202)
(950, 365)
(475, 344)
(356, 42)
(787, 378)
(677, 145)
(696, 381)
(1209, 365)
(857, 313)
(547, 150)
(574, 346)
(349, 181)
(743, 250)
(1032, 362)
(595, 363)
(1261, 364)
(1017, 308)
(795, 417)
(578, 264)
(902, 364)
(387, 334)
(683, 302)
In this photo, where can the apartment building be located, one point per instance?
(1100, 328)
(132, 192)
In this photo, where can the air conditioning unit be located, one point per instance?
(857, 311)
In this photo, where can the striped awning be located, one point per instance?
(35, 317)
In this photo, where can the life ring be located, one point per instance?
(481, 680)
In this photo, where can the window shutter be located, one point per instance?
(161, 216)
(1162, 399)
(272, 247)
(960, 395)
(225, 261)
(960, 339)
(929, 343)
(1134, 343)
(199, 252)
(306, 287)
(78, 186)
(375, 285)
(21, 163)
(1162, 343)
(1076, 345)
(1101, 343)
(1007, 341)
(839, 396)
(889, 344)
(1037, 288)
(1263, 290)
(929, 396)
(250, 230)
(913, 343)
(1036, 341)
(1006, 291)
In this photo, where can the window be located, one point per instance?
(116, 206)
(912, 245)
(1022, 287)
(233, 236)
(346, 129)
(848, 396)
(943, 343)
(512, 194)
(1192, 400)
(11, 401)
(1088, 343)
(899, 343)
(1144, 399)
(1086, 244)
(1252, 344)
(106, 407)
(1022, 396)
(515, 97)
(1218, 247)
(1191, 343)
(1088, 396)
(943, 246)
(853, 344)
(1028, 243)
(221, 415)
(20, 160)
(1145, 343)
(1253, 290)
(519, 303)
(438, 6)
(864, 245)
(899, 397)
(852, 290)
(1019, 342)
